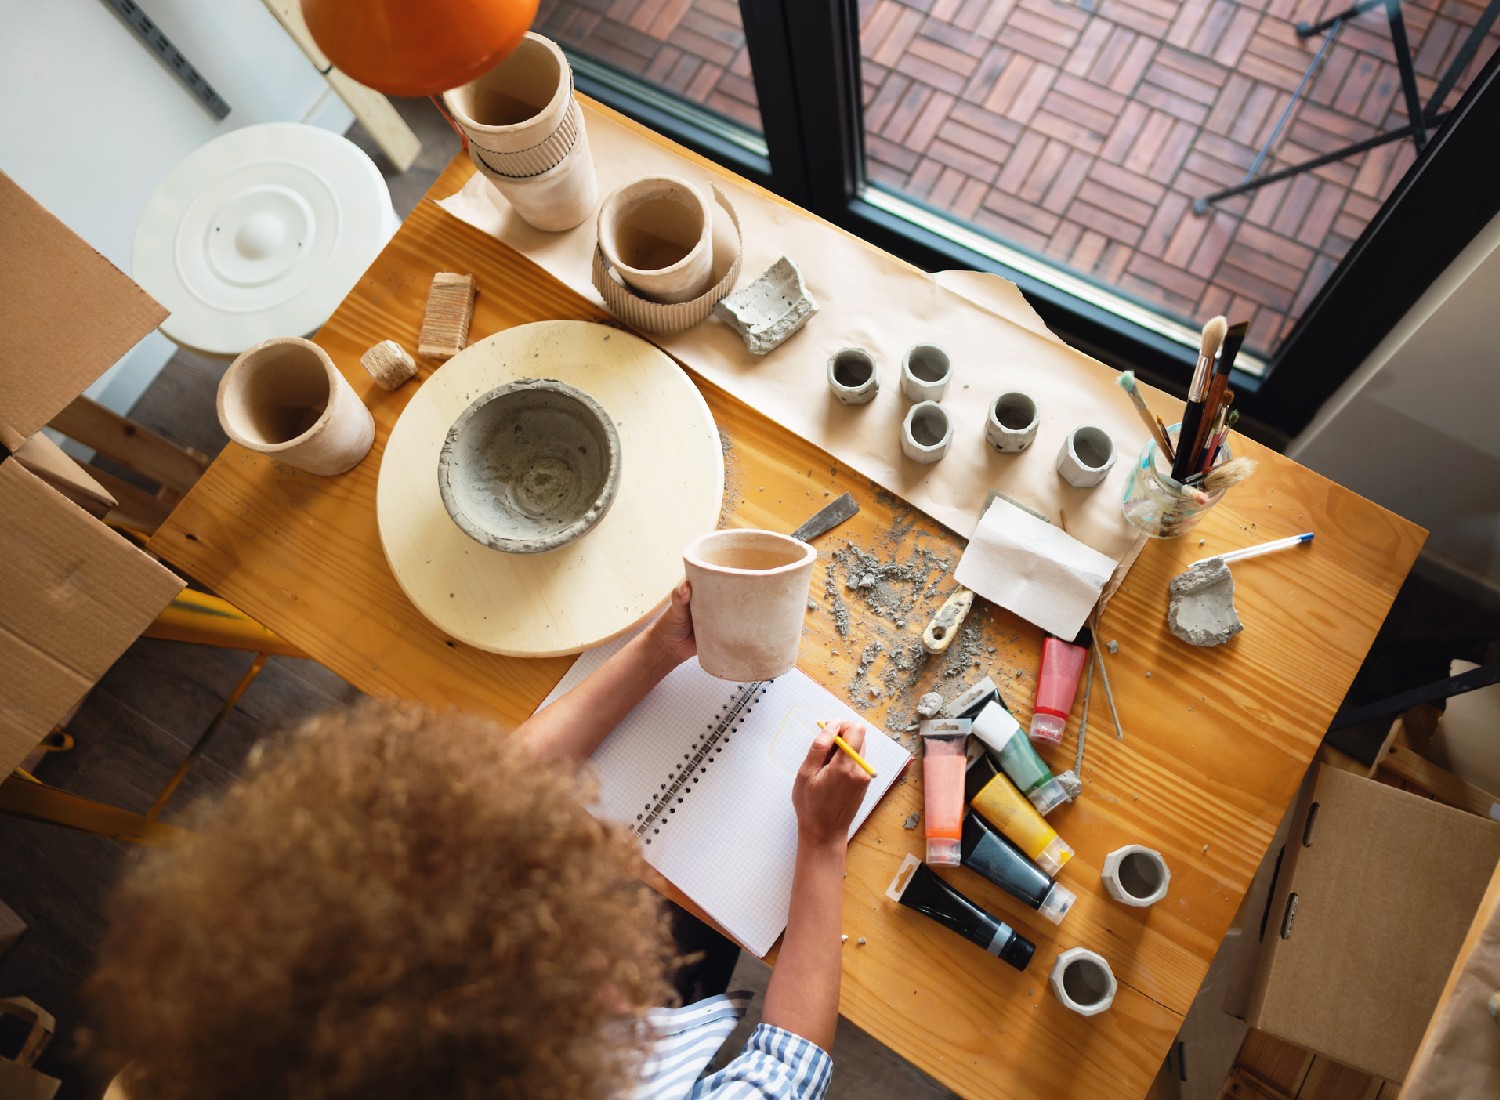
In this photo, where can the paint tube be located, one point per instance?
(943, 761)
(1003, 806)
(1018, 759)
(986, 851)
(918, 887)
(1056, 685)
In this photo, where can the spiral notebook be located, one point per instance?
(702, 769)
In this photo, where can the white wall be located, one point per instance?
(90, 120)
(1417, 427)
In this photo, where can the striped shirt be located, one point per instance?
(774, 1064)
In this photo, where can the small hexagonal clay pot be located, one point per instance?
(1136, 875)
(1086, 457)
(925, 373)
(926, 432)
(1012, 422)
(529, 466)
(853, 376)
(1083, 981)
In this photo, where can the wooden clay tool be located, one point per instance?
(944, 625)
(450, 308)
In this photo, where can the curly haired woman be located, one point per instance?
(395, 902)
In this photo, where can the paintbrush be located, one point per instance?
(1190, 436)
(1229, 473)
(1153, 423)
(1218, 383)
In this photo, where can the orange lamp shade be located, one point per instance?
(417, 47)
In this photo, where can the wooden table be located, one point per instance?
(1215, 740)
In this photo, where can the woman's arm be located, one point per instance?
(573, 726)
(803, 996)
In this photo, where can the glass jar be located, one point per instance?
(1158, 505)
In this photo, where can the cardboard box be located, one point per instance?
(76, 594)
(1375, 892)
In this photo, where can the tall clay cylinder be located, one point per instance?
(749, 600)
(657, 232)
(285, 398)
(526, 135)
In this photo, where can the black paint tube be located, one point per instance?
(918, 887)
(988, 852)
(978, 775)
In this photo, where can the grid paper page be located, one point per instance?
(729, 838)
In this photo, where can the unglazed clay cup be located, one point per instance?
(925, 373)
(657, 232)
(926, 432)
(526, 135)
(1136, 876)
(285, 398)
(1083, 981)
(853, 376)
(529, 466)
(1086, 457)
(1012, 422)
(749, 600)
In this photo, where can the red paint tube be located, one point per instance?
(1056, 685)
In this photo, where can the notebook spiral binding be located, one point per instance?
(731, 716)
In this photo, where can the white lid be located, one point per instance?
(1053, 856)
(995, 726)
(1047, 728)
(260, 233)
(1048, 796)
(944, 853)
(1056, 904)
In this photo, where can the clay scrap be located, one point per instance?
(1202, 610)
(769, 310)
(450, 308)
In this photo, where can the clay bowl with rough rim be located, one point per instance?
(529, 466)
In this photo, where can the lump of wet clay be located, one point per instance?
(1202, 610)
(770, 309)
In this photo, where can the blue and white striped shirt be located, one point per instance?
(775, 1064)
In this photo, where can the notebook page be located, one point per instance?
(728, 838)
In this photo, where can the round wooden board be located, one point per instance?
(600, 585)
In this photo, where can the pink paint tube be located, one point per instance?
(943, 763)
(1056, 685)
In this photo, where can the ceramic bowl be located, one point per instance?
(529, 466)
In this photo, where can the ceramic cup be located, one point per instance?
(749, 600)
(285, 398)
(1086, 457)
(1136, 876)
(526, 135)
(657, 232)
(925, 373)
(926, 432)
(1012, 422)
(1082, 980)
(853, 376)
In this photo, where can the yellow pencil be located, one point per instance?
(848, 748)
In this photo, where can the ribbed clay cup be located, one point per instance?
(285, 398)
(925, 373)
(526, 135)
(853, 376)
(657, 232)
(749, 600)
(1086, 457)
(1012, 422)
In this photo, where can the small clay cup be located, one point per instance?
(925, 373)
(657, 232)
(926, 432)
(853, 376)
(1083, 981)
(749, 600)
(1012, 422)
(529, 466)
(1086, 457)
(285, 398)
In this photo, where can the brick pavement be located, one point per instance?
(1081, 131)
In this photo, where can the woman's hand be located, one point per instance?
(672, 632)
(829, 787)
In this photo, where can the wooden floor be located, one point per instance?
(139, 721)
(1081, 130)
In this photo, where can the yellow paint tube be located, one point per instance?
(1007, 809)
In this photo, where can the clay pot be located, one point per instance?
(657, 232)
(925, 373)
(1136, 876)
(749, 600)
(1012, 422)
(1086, 457)
(926, 432)
(853, 376)
(529, 466)
(1083, 981)
(285, 398)
(526, 135)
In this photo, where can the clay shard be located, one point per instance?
(770, 309)
(1202, 610)
(450, 309)
(388, 363)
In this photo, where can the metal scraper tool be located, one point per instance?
(827, 518)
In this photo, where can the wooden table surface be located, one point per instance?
(1215, 740)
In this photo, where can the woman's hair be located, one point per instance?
(392, 902)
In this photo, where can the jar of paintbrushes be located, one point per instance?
(1163, 507)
